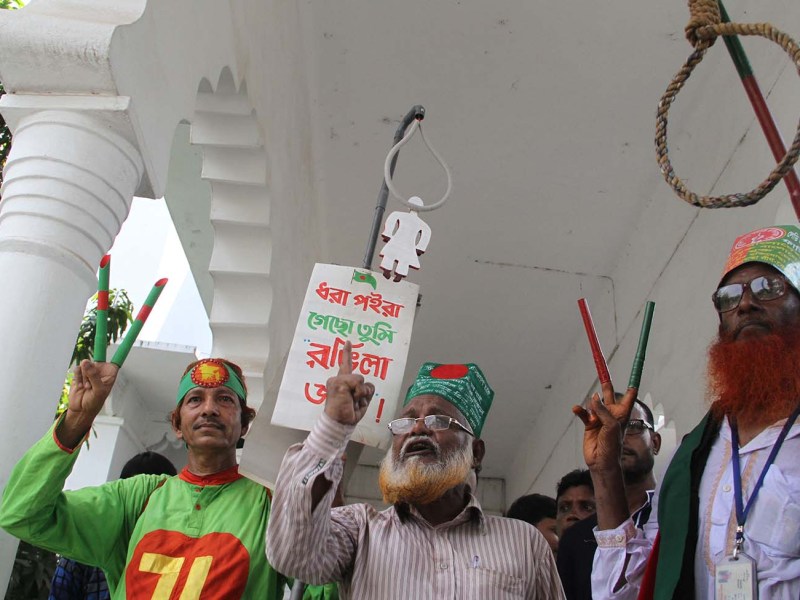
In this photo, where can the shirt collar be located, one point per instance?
(472, 512)
(765, 439)
(227, 476)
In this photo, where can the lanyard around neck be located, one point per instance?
(742, 510)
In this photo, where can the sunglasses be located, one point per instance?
(762, 288)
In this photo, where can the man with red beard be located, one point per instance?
(728, 510)
(434, 541)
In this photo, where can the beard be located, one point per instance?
(755, 381)
(639, 467)
(414, 482)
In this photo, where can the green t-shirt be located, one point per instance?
(153, 535)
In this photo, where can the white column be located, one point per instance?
(69, 182)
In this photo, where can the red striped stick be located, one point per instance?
(125, 347)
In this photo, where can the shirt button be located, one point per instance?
(443, 566)
(197, 507)
(726, 488)
(198, 490)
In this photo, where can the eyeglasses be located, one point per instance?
(763, 288)
(432, 422)
(637, 427)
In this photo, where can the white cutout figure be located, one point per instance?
(407, 237)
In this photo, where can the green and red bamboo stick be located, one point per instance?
(101, 319)
(127, 343)
(761, 109)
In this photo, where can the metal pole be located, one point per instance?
(417, 112)
(761, 109)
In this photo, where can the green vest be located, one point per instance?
(678, 512)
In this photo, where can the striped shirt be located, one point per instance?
(396, 553)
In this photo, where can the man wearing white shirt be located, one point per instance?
(578, 545)
(706, 544)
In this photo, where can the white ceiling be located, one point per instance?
(545, 112)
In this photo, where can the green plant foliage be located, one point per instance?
(5, 134)
(5, 140)
(120, 314)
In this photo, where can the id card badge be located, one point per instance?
(736, 578)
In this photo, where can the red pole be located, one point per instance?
(761, 109)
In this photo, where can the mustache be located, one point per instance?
(423, 440)
(749, 323)
(207, 422)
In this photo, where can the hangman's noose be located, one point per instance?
(387, 172)
(702, 31)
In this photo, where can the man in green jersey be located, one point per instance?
(197, 534)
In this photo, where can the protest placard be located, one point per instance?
(376, 316)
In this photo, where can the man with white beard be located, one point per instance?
(434, 541)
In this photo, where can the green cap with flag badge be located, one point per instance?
(464, 386)
(777, 246)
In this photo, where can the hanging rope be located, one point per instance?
(702, 31)
(387, 174)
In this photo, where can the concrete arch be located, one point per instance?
(236, 165)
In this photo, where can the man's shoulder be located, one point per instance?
(509, 527)
(368, 512)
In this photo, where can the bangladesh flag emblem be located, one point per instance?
(360, 277)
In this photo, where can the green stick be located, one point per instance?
(638, 360)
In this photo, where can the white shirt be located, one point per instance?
(772, 529)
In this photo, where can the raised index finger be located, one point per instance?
(346, 363)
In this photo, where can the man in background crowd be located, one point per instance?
(540, 511)
(577, 548)
(574, 499)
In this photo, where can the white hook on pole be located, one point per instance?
(417, 124)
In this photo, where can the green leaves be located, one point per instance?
(5, 134)
(120, 314)
(5, 137)
(33, 570)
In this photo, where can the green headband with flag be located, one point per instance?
(777, 246)
(464, 386)
(211, 373)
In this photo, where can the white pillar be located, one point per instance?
(69, 182)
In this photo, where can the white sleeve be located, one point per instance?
(621, 558)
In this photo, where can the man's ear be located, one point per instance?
(478, 452)
(251, 414)
(655, 442)
(175, 422)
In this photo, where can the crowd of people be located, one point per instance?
(723, 522)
